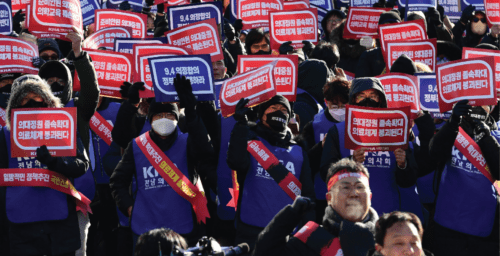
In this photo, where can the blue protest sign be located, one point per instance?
(325, 4)
(429, 100)
(126, 45)
(234, 11)
(451, 9)
(342, 3)
(182, 15)
(218, 86)
(5, 17)
(196, 68)
(479, 4)
(418, 5)
(88, 10)
(321, 15)
(363, 3)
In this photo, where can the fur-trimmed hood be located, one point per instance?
(26, 84)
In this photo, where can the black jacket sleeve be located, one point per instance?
(458, 31)
(491, 152)
(111, 158)
(407, 177)
(331, 152)
(72, 167)
(238, 158)
(426, 128)
(125, 128)
(308, 135)
(442, 143)
(121, 179)
(489, 39)
(235, 49)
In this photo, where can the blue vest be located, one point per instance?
(32, 204)
(157, 204)
(262, 198)
(321, 125)
(387, 195)
(466, 199)
(100, 147)
(224, 178)
(424, 184)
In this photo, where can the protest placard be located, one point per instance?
(201, 37)
(135, 5)
(88, 10)
(362, 22)
(423, 51)
(106, 37)
(376, 129)
(34, 127)
(182, 15)
(479, 4)
(295, 26)
(427, 85)
(115, 18)
(296, 4)
(55, 17)
(19, 5)
(325, 4)
(401, 90)
(404, 31)
(126, 45)
(285, 71)
(5, 17)
(418, 5)
(255, 14)
(492, 8)
(218, 87)
(451, 9)
(257, 85)
(469, 53)
(16, 56)
(471, 79)
(196, 68)
(112, 69)
(168, 3)
(363, 3)
(142, 71)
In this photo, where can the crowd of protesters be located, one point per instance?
(412, 198)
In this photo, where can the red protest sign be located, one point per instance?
(401, 90)
(471, 79)
(419, 51)
(34, 127)
(54, 17)
(362, 21)
(404, 31)
(285, 72)
(257, 85)
(492, 8)
(141, 54)
(295, 26)
(114, 18)
(172, 2)
(106, 37)
(16, 55)
(201, 37)
(376, 129)
(469, 53)
(19, 4)
(297, 4)
(255, 14)
(112, 69)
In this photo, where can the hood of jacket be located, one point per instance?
(50, 69)
(313, 75)
(26, 84)
(366, 83)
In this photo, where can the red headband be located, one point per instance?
(342, 174)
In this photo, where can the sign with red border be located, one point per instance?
(469, 53)
(115, 18)
(16, 56)
(295, 26)
(55, 17)
(362, 21)
(255, 14)
(296, 4)
(492, 8)
(106, 37)
(404, 31)
(401, 90)
(419, 51)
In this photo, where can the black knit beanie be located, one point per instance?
(158, 107)
(278, 99)
(404, 64)
(389, 17)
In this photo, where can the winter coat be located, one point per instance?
(371, 63)
(356, 238)
(469, 40)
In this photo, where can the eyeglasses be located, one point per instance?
(476, 19)
(335, 107)
(361, 97)
(59, 80)
(257, 47)
(49, 57)
(346, 189)
(332, 21)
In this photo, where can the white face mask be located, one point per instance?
(338, 114)
(164, 126)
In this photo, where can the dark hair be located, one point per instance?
(347, 164)
(337, 90)
(389, 219)
(254, 36)
(147, 244)
(327, 52)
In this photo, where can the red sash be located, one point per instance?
(38, 177)
(285, 179)
(319, 239)
(101, 127)
(234, 191)
(174, 177)
(3, 117)
(469, 148)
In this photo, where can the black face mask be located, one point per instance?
(6, 89)
(277, 120)
(261, 52)
(56, 88)
(34, 104)
(367, 102)
(477, 114)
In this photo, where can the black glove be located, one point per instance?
(307, 48)
(240, 112)
(184, 91)
(124, 89)
(38, 62)
(390, 4)
(440, 9)
(238, 25)
(301, 205)
(434, 16)
(133, 92)
(229, 31)
(19, 17)
(459, 110)
(480, 129)
(161, 8)
(467, 14)
(125, 6)
(44, 157)
(285, 48)
(150, 2)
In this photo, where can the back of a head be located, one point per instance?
(389, 219)
(405, 65)
(337, 90)
(326, 52)
(150, 243)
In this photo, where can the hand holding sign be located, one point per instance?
(400, 155)
(76, 41)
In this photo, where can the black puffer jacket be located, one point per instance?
(469, 40)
